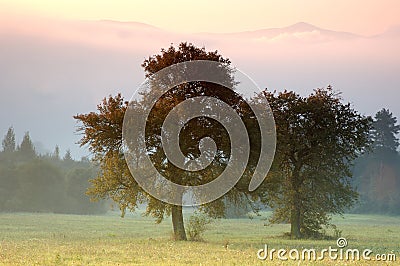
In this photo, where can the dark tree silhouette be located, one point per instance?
(317, 139)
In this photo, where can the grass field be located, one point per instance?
(51, 239)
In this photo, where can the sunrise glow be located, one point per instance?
(358, 16)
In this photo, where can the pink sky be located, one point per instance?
(63, 60)
(366, 17)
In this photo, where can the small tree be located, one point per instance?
(318, 137)
(56, 154)
(197, 224)
(67, 156)
(9, 141)
(26, 148)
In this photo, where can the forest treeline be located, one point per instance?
(31, 182)
(376, 174)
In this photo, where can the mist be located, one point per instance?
(55, 69)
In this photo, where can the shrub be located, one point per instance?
(197, 224)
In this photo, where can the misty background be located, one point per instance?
(53, 69)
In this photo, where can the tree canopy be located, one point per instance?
(102, 131)
(318, 137)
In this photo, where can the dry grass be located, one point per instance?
(49, 239)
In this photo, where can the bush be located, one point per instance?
(197, 225)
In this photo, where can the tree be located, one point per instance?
(9, 182)
(102, 131)
(67, 156)
(377, 173)
(317, 139)
(41, 187)
(384, 131)
(76, 186)
(56, 154)
(9, 141)
(42, 183)
(26, 149)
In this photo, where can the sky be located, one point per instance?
(60, 58)
(365, 17)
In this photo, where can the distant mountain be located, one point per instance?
(118, 26)
(127, 24)
(64, 67)
(392, 32)
(297, 30)
(117, 34)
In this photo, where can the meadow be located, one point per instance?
(55, 239)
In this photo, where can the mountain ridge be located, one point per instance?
(296, 27)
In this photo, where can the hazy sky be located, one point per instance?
(57, 59)
(366, 17)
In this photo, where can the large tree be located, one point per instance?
(103, 133)
(317, 139)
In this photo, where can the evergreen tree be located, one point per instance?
(377, 173)
(41, 183)
(384, 131)
(67, 156)
(9, 141)
(26, 148)
(56, 154)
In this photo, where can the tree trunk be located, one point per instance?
(177, 223)
(295, 221)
